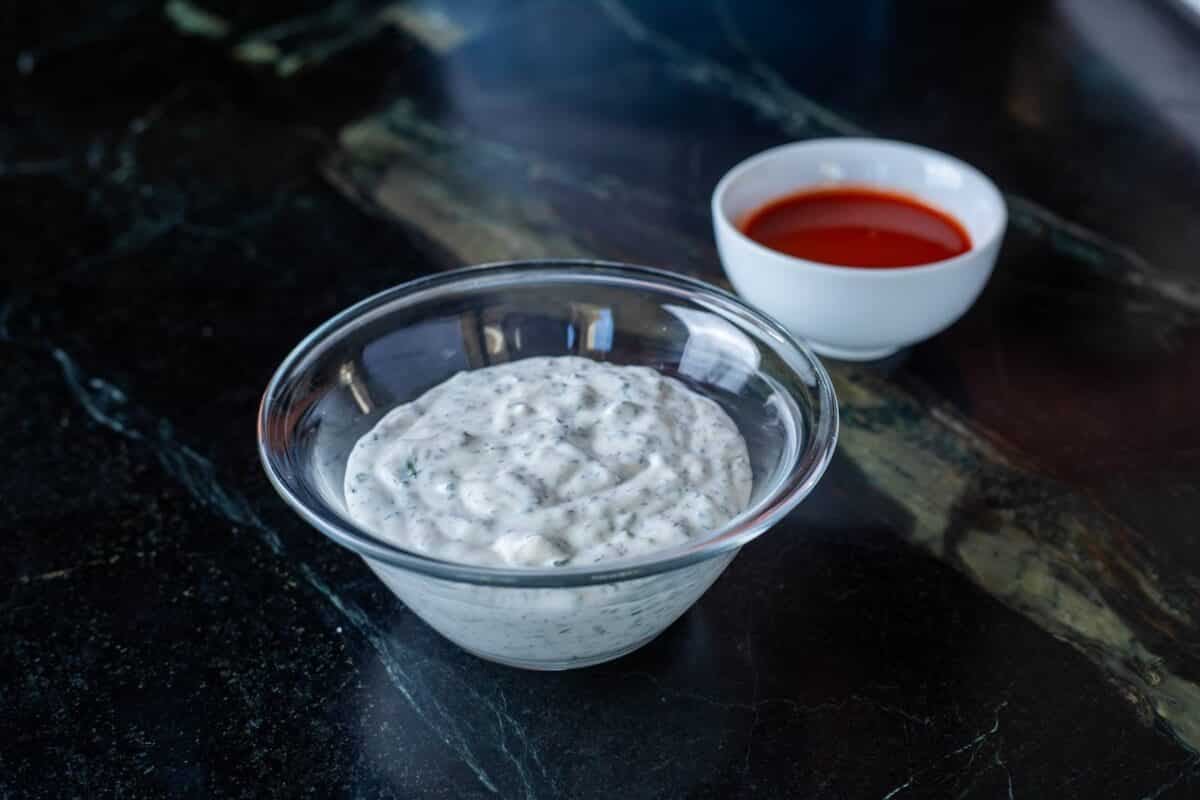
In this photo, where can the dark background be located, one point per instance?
(993, 593)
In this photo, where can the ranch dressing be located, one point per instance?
(549, 462)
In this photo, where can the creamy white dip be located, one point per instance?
(549, 462)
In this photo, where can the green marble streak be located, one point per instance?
(192, 20)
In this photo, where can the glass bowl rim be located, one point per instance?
(780, 498)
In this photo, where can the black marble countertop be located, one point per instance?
(994, 593)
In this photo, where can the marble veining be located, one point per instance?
(963, 608)
(110, 407)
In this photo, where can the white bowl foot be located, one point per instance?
(850, 353)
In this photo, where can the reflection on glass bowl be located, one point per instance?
(392, 347)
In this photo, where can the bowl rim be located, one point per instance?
(987, 186)
(812, 457)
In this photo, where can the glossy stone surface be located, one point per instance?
(995, 592)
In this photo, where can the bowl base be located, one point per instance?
(850, 353)
(559, 666)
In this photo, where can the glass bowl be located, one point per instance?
(391, 348)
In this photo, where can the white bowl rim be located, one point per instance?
(866, 143)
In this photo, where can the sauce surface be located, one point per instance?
(549, 462)
(855, 226)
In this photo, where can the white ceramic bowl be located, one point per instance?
(850, 312)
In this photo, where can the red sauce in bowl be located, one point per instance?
(853, 226)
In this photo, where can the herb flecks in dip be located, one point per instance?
(549, 462)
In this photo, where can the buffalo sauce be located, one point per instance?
(855, 226)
